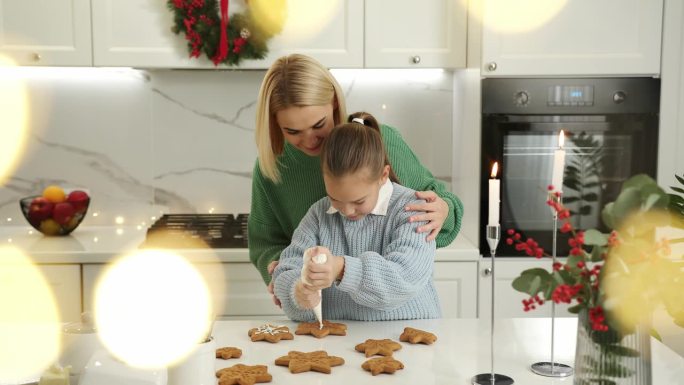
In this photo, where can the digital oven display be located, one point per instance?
(570, 96)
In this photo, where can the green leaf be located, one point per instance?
(654, 333)
(596, 252)
(576, 308)
(677, 189)
(590, 197)
(607, 215)
(595, 238)
(638, 181)
(680, 179)
(532, 281)
(628, 201)
(585, 210)
(569, 200)
(620, 350)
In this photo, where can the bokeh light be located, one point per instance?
(642, 274)
(515, 16)
(29, 319)
(294, 20)
(152, 307)
(13, 118)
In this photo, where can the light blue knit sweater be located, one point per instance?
(388, 266)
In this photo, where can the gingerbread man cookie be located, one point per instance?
(312, 328)
(381, 347)
(228, 352)
(382, 365)
(243, 375)
(270, 333)
(318, 361)
(416, 336)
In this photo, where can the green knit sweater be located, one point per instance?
(277, 209)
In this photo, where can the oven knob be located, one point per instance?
(521, 98)
(619, 97)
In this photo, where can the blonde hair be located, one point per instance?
(355, 146)
(291, 81)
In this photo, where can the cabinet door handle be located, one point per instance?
(487, 271)
(36, 57)
(415, 59)
(491, 66)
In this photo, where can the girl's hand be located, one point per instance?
(306, 298)
(436, 211)
(271, 268)
(321, 276)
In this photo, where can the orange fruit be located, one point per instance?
(50, 227)
(54, 194)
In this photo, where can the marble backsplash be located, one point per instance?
(146, 142)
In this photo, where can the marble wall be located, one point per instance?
(145, 142)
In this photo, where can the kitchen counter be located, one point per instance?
(461, 351)
(101, 244)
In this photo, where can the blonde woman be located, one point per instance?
(299, 104)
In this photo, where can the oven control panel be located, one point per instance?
(570, 96)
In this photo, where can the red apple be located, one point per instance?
(63, 212)
(39, 209)
(79, 199)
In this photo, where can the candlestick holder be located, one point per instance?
(491, 378)
(552, 368)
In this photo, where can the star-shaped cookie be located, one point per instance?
(416, 336)
(318, 361)
(270, 333)
(228, 352)
(381, 347)
(312, 328)
(243, 375)
(382, 365)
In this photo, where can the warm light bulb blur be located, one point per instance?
(152, 308)
(561, 139)
(13, 119)
(294, 20)
(516, 16)
(495, 169)
(29, 319)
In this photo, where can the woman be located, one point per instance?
(299, 103)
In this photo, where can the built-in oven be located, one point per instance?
(611, 133)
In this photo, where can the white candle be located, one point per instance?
(494, 197)
(558, 164)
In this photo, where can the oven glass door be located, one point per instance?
(601, 153)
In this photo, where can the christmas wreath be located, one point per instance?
(208, 30)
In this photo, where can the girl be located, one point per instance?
(299, 104)
(378, 267)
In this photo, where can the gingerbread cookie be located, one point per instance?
(318, 361)
(270, 333)
(228, 352)
(381, 347)
(312, 328)
(243, 375)
(415, 336)
(382, 365)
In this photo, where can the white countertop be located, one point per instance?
(461, 351)
(101, 244)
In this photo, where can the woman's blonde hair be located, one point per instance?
(292, 81)
(356, 146)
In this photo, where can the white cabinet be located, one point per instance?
(508, 300)
(46, 32)
(456, 284)
(405, 33)
(65, 283)
(584, 37)
(138, 33)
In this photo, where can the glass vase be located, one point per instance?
(609, 358)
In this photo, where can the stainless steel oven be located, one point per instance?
(611, 133)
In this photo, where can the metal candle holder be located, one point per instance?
(552, 368)
(491, 378)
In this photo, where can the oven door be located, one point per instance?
(602, 151)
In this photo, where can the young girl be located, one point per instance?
(299, 104)
(378, 267)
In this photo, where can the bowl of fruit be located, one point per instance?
(55, 212)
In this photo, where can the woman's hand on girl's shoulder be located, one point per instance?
(435, 211)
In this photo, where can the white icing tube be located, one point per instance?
(318, 259)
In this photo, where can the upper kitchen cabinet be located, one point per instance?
(571, 37)
(406, 34)
(138, 33)
(46, 32)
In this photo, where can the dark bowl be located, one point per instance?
(53, 219)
